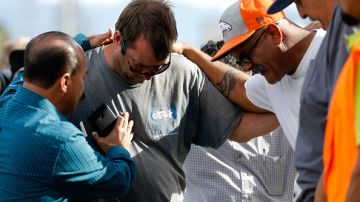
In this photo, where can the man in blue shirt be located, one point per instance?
(43, 157)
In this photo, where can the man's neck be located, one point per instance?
(108, 53)
(109, 59)
(50, 94)
(297, 52)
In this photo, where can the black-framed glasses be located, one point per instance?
(159, 70)
(244, 58)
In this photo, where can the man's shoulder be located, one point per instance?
(183, 67)
(48, 121)
(95, 52)
(182, 63)
(61, 130)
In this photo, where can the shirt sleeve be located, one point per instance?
(83, 41)
(80, 171)
(5, 78)
(218, 117)
(256, 91)
(11, 89)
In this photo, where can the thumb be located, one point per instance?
(109, 36)
(110, 32)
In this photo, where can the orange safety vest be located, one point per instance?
(340, 148)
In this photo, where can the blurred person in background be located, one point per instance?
(14, 54)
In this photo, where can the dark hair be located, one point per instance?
(152, 18)
(212, 47)
(48, 56)
(16, 60)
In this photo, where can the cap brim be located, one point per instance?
(279, 5)
(228, 46)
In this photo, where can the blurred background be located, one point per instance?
(197, 20)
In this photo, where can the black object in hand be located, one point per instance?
(102, 120)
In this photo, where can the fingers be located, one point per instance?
(122, 121)
(110, 32)
(131, 136)
(126, 120)
(130, 126)
(120, 135)
(108, 36)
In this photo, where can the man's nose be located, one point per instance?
(301, 11)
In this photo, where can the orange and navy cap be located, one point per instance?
(279, 5)
(241, 20)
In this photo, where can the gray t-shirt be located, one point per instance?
(314, 102)
(172, 110)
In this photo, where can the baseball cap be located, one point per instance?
(279, 5)
(240, 21)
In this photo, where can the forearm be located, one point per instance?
(253, 125)
(114, 175)
(228, 80)
(354, 187)
(214, 70)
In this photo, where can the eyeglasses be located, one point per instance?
(244, 58)
(159, 70)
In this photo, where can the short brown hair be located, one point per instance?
(154, 19)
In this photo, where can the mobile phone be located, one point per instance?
(102, 120)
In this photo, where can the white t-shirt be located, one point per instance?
(283, 97)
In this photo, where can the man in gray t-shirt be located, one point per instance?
(170, 100)
(170, 111)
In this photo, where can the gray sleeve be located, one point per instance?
(218, 117)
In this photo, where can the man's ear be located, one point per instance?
(275, 32)
(117, 37)
(65, 82)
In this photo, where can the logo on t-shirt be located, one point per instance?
(162, 122)
(163, 114)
